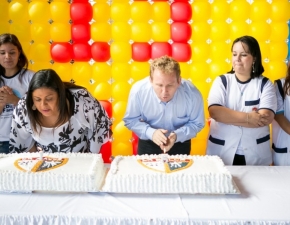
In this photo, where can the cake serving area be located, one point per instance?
(86, 172)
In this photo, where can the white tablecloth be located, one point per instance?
(264, 199)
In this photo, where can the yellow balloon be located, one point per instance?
(36, 66)
(18, 11)
(217, 68)
(277, 69)
(64, 70)
(20, 30)
(101, 72)
(219, 10)
(184, 70)
(119, 109)
(60, 11)
(204, 88)
(124, 148)
(139, 70)
(198, 146)
(120, 131)
(160, 11)
(121, 51)
(260, 30)
(200, 51)
(103, 91)
(219, 31)
(259, 11)
(39, 32)
(38, 11)
(40, 52)
(141, 11)
(101, 32)
(4, 15)
(200, 11)
(141, 32)
(238, 29)
(121, 31)
(220, 50)
(265, 51)
(4, 27)
(278, 51)
(60, 32)
(101, 12)
(238, 9)
(120, 12)
(200, 31)
(279, 31)
(198, 72)
(161, 32)
(121, 72)
(280, 11)
(266, 69)
(81, 73)
(120, 91)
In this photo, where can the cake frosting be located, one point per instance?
(169, 174)
(80, 172)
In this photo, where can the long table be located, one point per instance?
(264, 199)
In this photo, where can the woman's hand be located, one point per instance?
(7, 96)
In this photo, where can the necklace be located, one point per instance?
(242, 87)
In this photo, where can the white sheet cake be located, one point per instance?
(169, 174)
(80, 172)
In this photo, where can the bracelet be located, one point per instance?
(247, 118)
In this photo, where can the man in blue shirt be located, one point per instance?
(164, 110)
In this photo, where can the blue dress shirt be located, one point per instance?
(183, 114)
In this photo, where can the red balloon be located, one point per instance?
(141, 52)
(135, 143)
(100, 51)
(181, 52)
(61, 52)
(81, 32)
(159, 49)
(180, 32)
(106, 151)
(107, 106)
(81, 52)
(181, 11)
(81, 12)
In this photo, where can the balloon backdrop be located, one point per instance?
(106, 46)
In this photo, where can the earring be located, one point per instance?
(253, 67)
(33, 107)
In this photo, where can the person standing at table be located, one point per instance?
(281, 124)
(14, 81)
(57, 116)
(242, 104)
(164, 110)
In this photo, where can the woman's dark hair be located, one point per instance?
(22, 62)
(254, 50)
(48, 78)
(286, 87)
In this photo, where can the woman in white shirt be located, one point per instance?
(242, 104)
(58, 117)
(14, 81)
(281, 124)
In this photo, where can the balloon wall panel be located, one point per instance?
(107, 46)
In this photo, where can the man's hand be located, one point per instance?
(159, 137)
(170, 142)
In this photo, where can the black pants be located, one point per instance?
(239, 160)
(149, 147)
